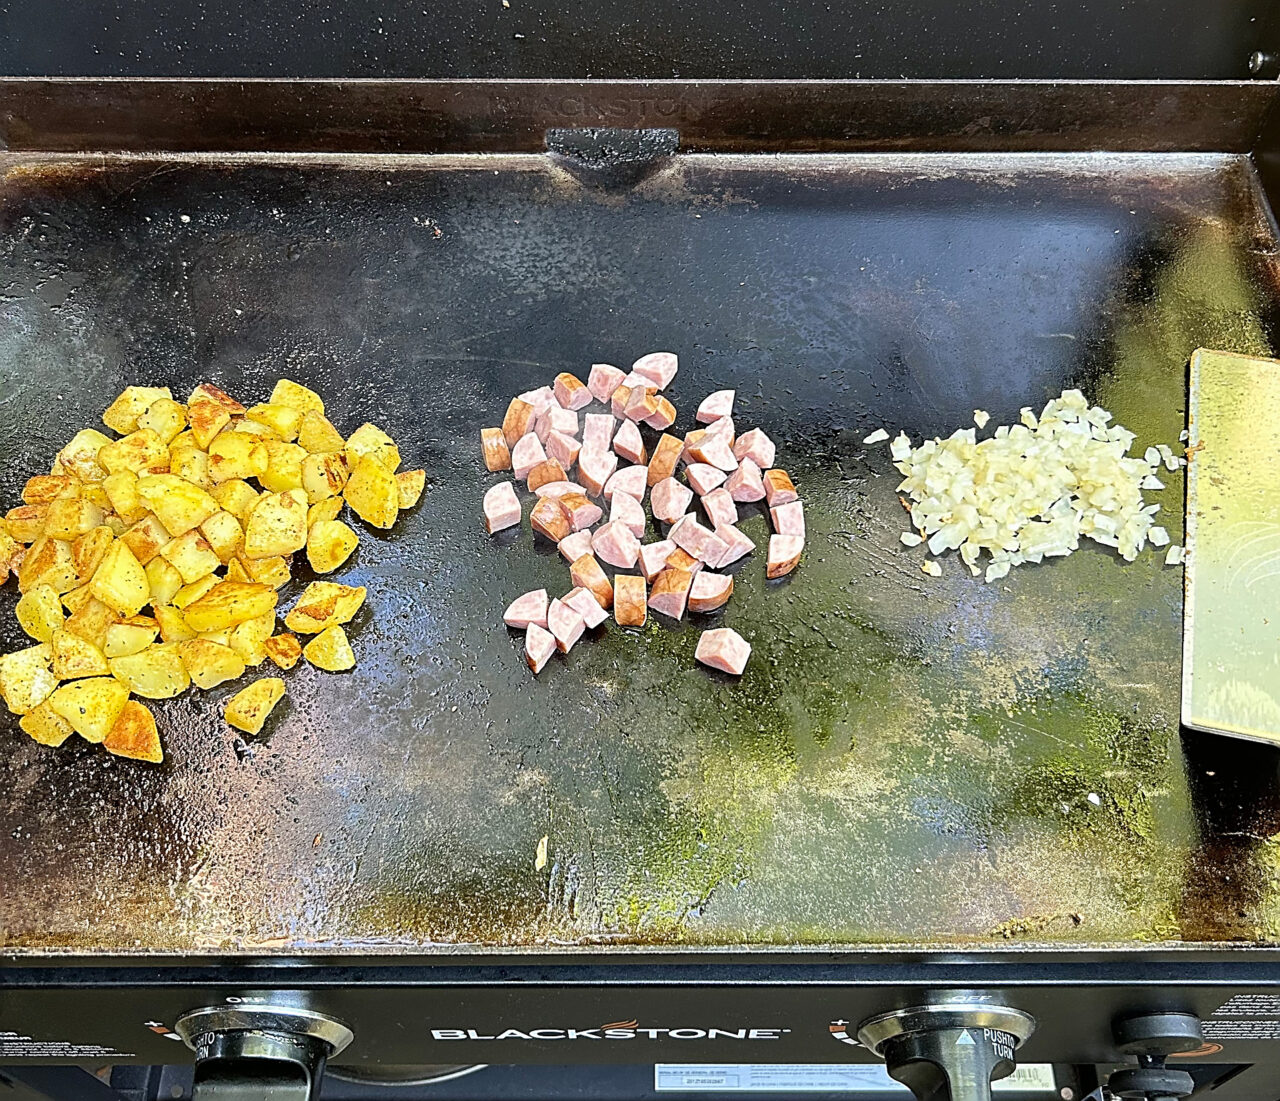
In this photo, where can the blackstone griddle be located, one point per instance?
(923, 792)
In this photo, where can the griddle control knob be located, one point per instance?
(1152, 1038)
(247, 1053)
(950, 1049)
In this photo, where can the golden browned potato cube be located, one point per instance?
(134, 734)
(68, 517)
(146, 537)
(140, 451)
(26, 522)
(77, 598)
(224, 535)
(39, 613)
(80, 456)
(277, 525)
(156, 672)
(206, 391)
(178, 504)
(91, 706)
(236, 571)
(90, 621)
(295, 396)
(210, 663)
(166, 418)
(123, 413)
(118, 527)
(266, 571)
(95, 495)
(328, 509)
(11, 553)
(284, 650)
(44, 488)
(191, 464)
(229, 603)
(163, 580)
(206, 419)
(46, 726)
(248, 709)
(122, 494)
(120, 582)
(372, 493)
(411, 484)
(236, 497)
(371, 442)
(252, 428)
(284, 466)
(48, 562)
(329, 544)
(75, 657)
(324, 475)
(330, 650)
(172, 623)
(88, 551)
(249, 639)
(317, 435)
(279, 418)
(189, 594)
(222, 638)
(237, 455)
(191, 556)
(127, 638)
(323, 604)
(25, 679)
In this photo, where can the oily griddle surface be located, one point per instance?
(906, 760)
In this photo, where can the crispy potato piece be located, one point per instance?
(284, 466)
(277, 525)
(95, 495)
(39, 613)
(68, 517)
(75, 657)
(222, 638)
(191, 464)
(206, 391)
(324, 475)
(284, 650)
(328, 509)
(90, 621)
(224, 534)
(191, 556)
(134, 734)
(329, 544)
(123, 413)
(163, 580)
(172, 623)
(118, 527)
(295, 396)
(77, 598)
(237, 455)
(323, 604)
(11, 553)
(189, 594)
(236, 570)
(317, 435)
(248, 709)
(43, 488)
(372, 493)
(249, 427)
(371, 442)
(80, 456)
(177, 503)
(46, 726)
(282, 420)
(88, 551)
(249, 639)
(209, 663)
(125, 638)
(206, 419)
(146, 537)
(122, 494)
(166, 418)
(120, 582)
(330, 650)
(236, 497)
(410, 483)
(266, 571)
(139, 451)
(26, 522)
(25, 679)
(229, 603)
(91, 705)
(156, 672)
(48, 562)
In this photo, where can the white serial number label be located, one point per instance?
(816, 1078)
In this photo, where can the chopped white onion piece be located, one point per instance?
(901, 447)
(1158, 536)
(911, 539)
(1175, 555)
(980, 417)
(1152, 457)
(931, 568)
(878, 436)
(1151, 482)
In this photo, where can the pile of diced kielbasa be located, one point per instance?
(549, 432)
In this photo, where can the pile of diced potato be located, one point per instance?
(150, 562)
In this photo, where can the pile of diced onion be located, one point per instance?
(1032, 490)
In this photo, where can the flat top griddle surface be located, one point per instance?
(906, 760)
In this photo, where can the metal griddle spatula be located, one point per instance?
(1231, 616)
